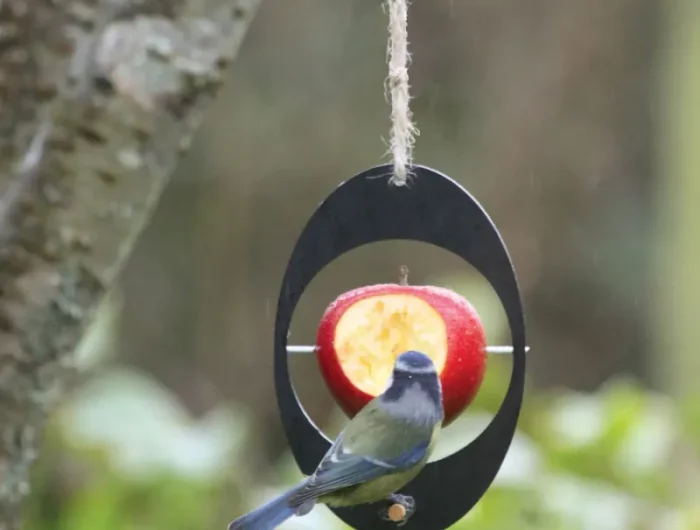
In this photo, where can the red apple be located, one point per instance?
(363, 331)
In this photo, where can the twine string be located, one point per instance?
(396, 87)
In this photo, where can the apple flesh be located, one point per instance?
(364, 330)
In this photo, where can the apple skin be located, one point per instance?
(464, 367)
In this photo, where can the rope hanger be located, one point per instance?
(396, 87)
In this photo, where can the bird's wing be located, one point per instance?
(341, 468)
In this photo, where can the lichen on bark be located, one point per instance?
(97, 101)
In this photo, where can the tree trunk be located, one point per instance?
(97, 100)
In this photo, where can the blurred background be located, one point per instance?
(576, 124)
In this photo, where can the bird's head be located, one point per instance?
(414, 363)
(414, 383)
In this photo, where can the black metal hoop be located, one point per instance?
(432, 209)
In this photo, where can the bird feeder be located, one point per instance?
(433, 209)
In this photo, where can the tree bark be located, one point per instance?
(97, 101)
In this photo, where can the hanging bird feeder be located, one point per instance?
(363, 331)
(436, 210)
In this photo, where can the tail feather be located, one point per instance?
(271, 514)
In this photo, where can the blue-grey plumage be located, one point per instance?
(381, 449)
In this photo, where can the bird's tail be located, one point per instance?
(272, 514)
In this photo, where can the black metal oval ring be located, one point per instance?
(433, 209)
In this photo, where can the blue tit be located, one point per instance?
(380, 450)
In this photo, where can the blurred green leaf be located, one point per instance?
(607, 449)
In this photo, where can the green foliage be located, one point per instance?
(691, 419)
(513, 508)
(108, 501)
(595, 461)
(122, 455)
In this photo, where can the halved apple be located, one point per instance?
(363, 331)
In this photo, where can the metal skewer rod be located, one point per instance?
(497, 350)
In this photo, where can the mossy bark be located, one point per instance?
(97, 101)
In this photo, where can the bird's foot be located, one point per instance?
(399, 510)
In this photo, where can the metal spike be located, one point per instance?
(496, 350)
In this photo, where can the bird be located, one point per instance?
(381, 449)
